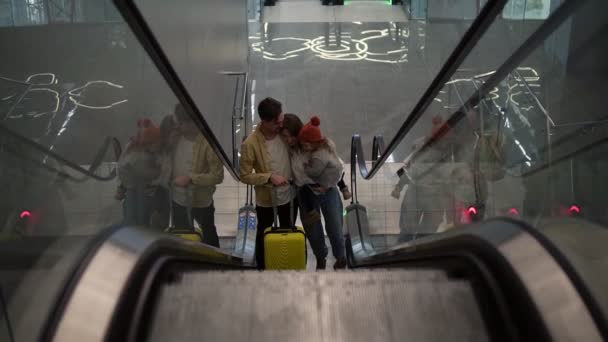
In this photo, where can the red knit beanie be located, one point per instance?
(311, 132)
(439, 126)
(148, 132)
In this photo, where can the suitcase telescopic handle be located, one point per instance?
(189, 196)
(275, 224)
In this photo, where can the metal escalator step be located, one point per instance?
(228, 277)
(386, 305)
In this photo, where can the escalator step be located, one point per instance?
(387, 305)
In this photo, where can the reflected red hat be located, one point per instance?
(147, 132)
(439, 126)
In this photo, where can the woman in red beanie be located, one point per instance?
(142, 170)
(324, 168)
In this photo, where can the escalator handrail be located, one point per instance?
(474, 82)
(501, 237)
(129, 252)
(238, 110)
(479, 26)
(15, 81)
(534, 97)
(87, 173)
(568, 156)
(142, 31)
(61, 173)
(358, 159)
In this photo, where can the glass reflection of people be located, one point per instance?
(196, 172)
(450, 164)
(142, 168)
(472, 186)
(428, 201)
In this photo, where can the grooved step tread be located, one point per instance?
(386, 305)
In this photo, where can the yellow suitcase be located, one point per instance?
(284, 247)
(193, 233)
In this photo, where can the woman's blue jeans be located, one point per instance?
(330, 204)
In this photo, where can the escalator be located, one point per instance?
(498, 270)
(472, 285)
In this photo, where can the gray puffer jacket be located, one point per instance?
(324, 166)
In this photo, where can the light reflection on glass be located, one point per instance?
(345, 48)
(77, 92)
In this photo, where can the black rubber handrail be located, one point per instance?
(160, 248)
(90, 173)
(61, 173)
(358, 159)
(14, 81)
(7, 320)
(484, 103)
(539, 104)
(567, 156)
(479, 26)
(142, 31)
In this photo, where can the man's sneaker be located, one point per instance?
(346, 193)
(340, 264)
(321, 263)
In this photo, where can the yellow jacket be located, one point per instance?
(207, 171)
(255, 157)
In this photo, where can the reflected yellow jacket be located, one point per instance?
(255, 167)
(207, 171)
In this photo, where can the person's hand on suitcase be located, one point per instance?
(182, 181)
(278, 180)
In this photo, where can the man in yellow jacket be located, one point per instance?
(265, 163)
(196, 172)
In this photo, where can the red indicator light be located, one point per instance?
(513, 211)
